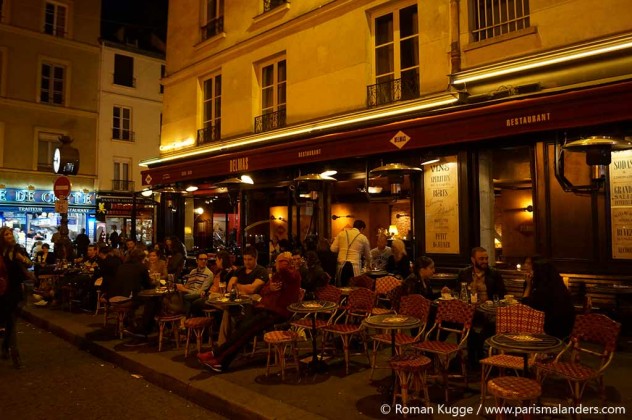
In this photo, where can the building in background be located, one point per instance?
(130, 107)
(49, 83)
(492, 88)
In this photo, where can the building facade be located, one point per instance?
(49, 78)
(495, 89)
(130, 107)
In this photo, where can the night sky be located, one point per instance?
(143, 15)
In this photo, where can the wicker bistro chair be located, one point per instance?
(410, 369)
(197, 325)
(514, 388)
(123, 307)
(383, 285)
(362, 281)
(412, 305)
(570, 363)
(511, 319)
(453, 312)
(327, 293)
(281, 340)
(359, 306)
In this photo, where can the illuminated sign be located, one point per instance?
(25, 196)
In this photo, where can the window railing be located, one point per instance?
(208, 134)
(270, 121)
(391, 91)
(212, 28)
(123, 80)
(55, 31)
(122, 185)
(272, 4)
(120, 134)
(497, 17)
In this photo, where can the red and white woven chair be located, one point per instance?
(410, 369)
(453, 312)
(520, 319)
(383, 285)
(327, 293)
(281, 341)
(411, 305)
(359, 306)
(514, 388)
(573, 363)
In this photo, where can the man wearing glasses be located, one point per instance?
(198, 282)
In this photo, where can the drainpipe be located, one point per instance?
(455, 50)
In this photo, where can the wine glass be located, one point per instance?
(496, 300)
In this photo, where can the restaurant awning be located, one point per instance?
(578, 108)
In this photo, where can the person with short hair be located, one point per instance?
(198, 282)
(82, 241)
(351, 245)
(381, 253)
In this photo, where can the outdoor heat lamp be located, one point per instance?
(598, 151)
(395, 173)
(314, 183)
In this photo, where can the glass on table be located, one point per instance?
(496, 300)
(222, 287)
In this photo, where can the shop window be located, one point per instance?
(492, 18)
(273, 96)
(121, 180)
(46, 144)
(214, 19)
(211, 111)
(122, 123)
(55, 19)
(124, 70)
(396, 57)
(52, 84)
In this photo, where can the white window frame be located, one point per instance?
(50, 135)
(396, 44)
(499, 17)
(274, 87)
(58, 29)
(212, 101)
(122, 176)
(121, 120)
(66, 81)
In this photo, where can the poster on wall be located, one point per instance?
(441, 194)
(621, 204)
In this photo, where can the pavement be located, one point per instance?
(244, 391)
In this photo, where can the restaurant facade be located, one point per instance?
(486, 161)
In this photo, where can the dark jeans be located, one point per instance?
(10, 332)
(345, 274)
(247, 328)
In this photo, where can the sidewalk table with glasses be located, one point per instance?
(525, 344)
(312, 308)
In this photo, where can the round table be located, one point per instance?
(225, 302)
(152, 293)
(525, 344)
(377, 273)
(313, 307)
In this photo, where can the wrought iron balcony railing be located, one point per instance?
(272, 4)
(391, 91)
(120, 134)
(122, 185)
(270, 121)
(212, 28)
(210, 134)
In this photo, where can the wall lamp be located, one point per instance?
(400, 215)
(334, 217)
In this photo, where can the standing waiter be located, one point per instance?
(351, 245)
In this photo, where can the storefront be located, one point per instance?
(31, 214)
(496, 184)
(120, 211)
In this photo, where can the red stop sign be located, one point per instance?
(62, 187)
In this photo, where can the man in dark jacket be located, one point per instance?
(481, 278)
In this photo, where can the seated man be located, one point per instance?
(381, 254)
(197, 284)
(248, 280)
(282, 290)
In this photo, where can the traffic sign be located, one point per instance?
(62, 187)
(61, 206)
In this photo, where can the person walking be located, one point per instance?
(13, 265)
(82, 241)
(351, 245)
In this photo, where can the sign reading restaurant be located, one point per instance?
(528, 119)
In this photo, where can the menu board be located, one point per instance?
(441, 195)
(621, 204)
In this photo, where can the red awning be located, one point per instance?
(581, 108)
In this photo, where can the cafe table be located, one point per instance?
(226, 305)
(313, 308)
(376, 274)
(525, 344)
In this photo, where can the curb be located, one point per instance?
(235, 402)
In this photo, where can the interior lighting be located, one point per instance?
(436, 101)
(199, 210)
(147, 192)
(191, 188)
(546, 59)
(393, 231)
(246, 179)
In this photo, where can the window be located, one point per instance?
(121, 179)
(214, 19)
(212, 110)
(163, 73)
(273, 97)
(124, 70)
(122, 123)
(272, 4)
(55, 19)
(492, 18)
(47, 141)
(396, 57)
(52, 84)
(1, 10)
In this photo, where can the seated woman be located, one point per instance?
(546, 292)
(419, 281)
(156, 266)
(398, 263)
